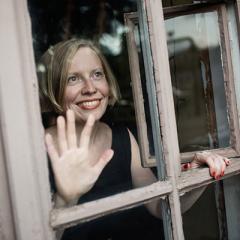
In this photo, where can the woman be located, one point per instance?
(91, 159)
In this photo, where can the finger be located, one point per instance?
(61, 129)
(102, 162)
(86, 132)
(212, 166)
(71, 129)
(223, 167)
(185, 166)
(227, 161)
(52, 152)
(219, 166)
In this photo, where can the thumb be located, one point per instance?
(103, 160)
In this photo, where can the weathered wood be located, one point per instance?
(237, 11)
(87, 211)
(231, 185)
(226, 152)
(7, 229)
(22, 132)
(230, 88)
(154, 113)
(131, 22)
(165, 107)
(188, 181)
(199, 177)
(191, 8)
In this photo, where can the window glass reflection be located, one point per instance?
(77, 61)
(200, 215)
(195, 59)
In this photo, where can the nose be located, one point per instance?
(89, 87)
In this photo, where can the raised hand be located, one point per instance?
(74, 173)
(216, 163)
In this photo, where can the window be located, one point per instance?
(199, 65)
(22, 148)
(184, 59)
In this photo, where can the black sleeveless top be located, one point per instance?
(116, 178)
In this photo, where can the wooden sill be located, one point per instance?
(198, 177)
(65, 217)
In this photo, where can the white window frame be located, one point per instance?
(24, 155)
(27, 200)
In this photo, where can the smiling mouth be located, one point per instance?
(89, 105)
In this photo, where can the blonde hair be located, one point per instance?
(52, 72)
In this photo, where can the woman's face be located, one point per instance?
(87, 88)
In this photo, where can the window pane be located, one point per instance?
(201, 221)
(135, 223)
(196, 66)
(103, 23)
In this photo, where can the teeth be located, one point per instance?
(90, 104)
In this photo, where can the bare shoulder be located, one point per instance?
(134, 144)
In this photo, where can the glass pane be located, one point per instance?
(103, 23)
(201, 221)
(135, 223)
(196, 62)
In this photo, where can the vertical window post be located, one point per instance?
(158, 43)
(22, 133)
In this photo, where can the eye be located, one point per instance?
(72, 79)
(98, 75)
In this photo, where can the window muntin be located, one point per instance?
(139, 88)
(207, 215)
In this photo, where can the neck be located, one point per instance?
(94, 132)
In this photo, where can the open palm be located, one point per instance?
(73, 172)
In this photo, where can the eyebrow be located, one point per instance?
(94, 69)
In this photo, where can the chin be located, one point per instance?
(82, 117)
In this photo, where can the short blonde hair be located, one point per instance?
(52, 72)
